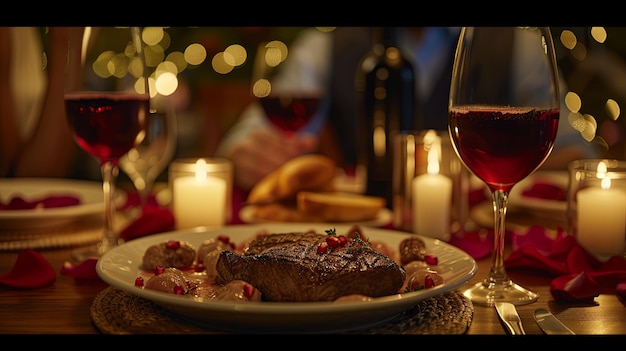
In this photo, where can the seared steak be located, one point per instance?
(289, 268)
(264, 242)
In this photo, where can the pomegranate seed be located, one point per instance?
(333, 241)
(428, 281)
(322, 248)
(248, 291)
(139, 281)
(178, 290)
(159, 270)
(431, 259)
(173, 245)
(342, 240)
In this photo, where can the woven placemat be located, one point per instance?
(116, 312)
(73, 234)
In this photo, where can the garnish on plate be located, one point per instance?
(354, 243)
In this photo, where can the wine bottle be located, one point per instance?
(385, 84)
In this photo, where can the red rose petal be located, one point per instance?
(562, 246)
(574, 288)
(84, 270)
(152, 220)
(546, 191)
(528, 257)
(535, 236)
(474, 244)
(18, 203)
(31, 270)
(53, 201)
(578, 260)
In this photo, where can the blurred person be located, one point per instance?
(35, 139)
(331, 59)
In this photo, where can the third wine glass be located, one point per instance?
(289, 98)
(503, 120)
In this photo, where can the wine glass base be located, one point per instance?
(486, 294)
(93, 251)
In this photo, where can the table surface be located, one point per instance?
(63, 308)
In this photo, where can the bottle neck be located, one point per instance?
(390, 36)
(385, 36)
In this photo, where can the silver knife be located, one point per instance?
(510, 318)
(550, 324)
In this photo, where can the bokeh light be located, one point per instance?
(220, 64)
(599, 34)
(166, 83)
(195, 54)
(237, 53)
(152, 35)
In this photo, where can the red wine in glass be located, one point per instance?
(106, 125)
(290, 113)
(503, 119)
(503, 145)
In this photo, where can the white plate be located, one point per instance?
(89, 193)
(120, 266)
(538, 205)
(246, 214)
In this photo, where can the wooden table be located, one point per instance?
(63, 308)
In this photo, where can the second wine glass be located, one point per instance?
(503, 120)
(145, 162)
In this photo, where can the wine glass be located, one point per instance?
(107, 104)
(503, 119)
(290, 98)
(145, 162)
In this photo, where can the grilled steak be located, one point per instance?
(288, 268)
(264, 242)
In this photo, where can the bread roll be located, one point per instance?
(304, 173)
(307, 172)
(265, 190)
(339, 207)
(282, 212)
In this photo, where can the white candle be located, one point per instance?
(199, 200)
(601, 226)
(432, 197)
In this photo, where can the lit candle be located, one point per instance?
(601, 226)
(432, 196)
(199, 200)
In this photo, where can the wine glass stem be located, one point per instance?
(144, 194)
(109, 174)
(498, 275)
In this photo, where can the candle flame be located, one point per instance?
(432, 143)
(201, 170)
(605, 183)
(601, 170)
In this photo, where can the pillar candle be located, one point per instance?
(601, 226)
(199, 200)
(432, 199)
